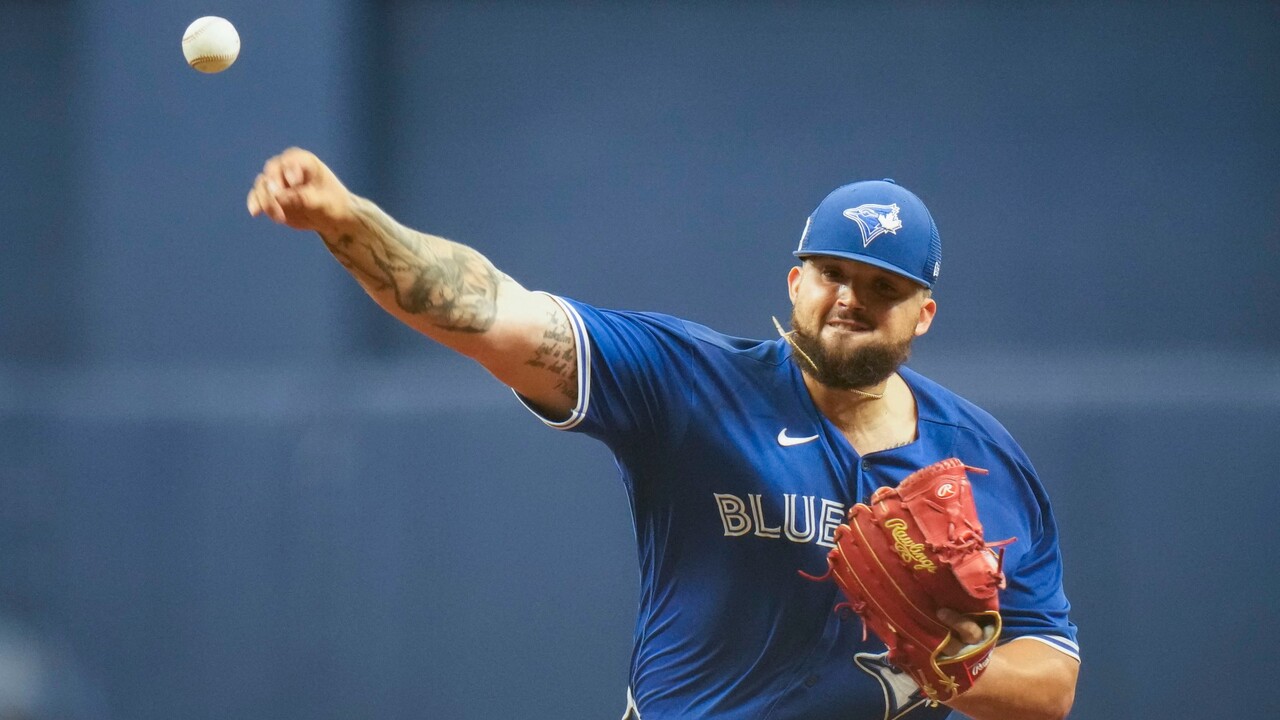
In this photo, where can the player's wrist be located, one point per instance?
(341, 216)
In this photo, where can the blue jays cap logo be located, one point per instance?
(875, 220)
(875, 208)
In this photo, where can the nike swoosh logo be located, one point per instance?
(786, 440)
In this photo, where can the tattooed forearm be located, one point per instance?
(344, 249)
(556, 354)
(451, 285)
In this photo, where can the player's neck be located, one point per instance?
(870, 423)
(841, 402)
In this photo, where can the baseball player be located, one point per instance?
(741, 457)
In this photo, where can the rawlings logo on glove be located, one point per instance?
(911, 551)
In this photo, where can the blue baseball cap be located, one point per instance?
(877, 222)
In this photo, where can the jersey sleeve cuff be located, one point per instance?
(582, 345)
(1057, 642)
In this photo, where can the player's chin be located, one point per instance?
(844, 352)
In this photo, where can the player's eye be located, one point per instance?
(887, 289)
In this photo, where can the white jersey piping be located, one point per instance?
(582, 345)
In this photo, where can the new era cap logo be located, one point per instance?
(875, 220)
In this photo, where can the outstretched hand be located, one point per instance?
(298, 190)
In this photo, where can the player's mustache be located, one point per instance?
(853, 316)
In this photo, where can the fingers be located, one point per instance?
(293, 172)
(290, 169)
(965, 629)
(262, 199)
(296, 189)
(296, 166)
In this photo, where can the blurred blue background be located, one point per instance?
(231, 487)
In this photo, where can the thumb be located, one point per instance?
(296, 197)
(295, 207)
(308, 207)
(296, 173)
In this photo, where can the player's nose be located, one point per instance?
(847, 296)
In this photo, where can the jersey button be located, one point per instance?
(866, 466)
(811, 681)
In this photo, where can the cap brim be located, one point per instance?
(867, 260)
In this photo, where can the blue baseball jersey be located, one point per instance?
(736, 481)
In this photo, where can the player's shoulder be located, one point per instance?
(731, 348)
(701, 341)
(943, 406)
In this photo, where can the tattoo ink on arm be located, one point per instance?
(557, 354)
(451, 286)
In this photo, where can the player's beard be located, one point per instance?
(862, 367)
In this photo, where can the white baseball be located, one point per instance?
(211, 44)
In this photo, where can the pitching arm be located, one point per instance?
(445, 290)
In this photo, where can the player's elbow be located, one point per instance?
(1062, 709)
(1048, 706)
(1059, 699)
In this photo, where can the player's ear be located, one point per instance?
(928, 309)
(793, 283)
